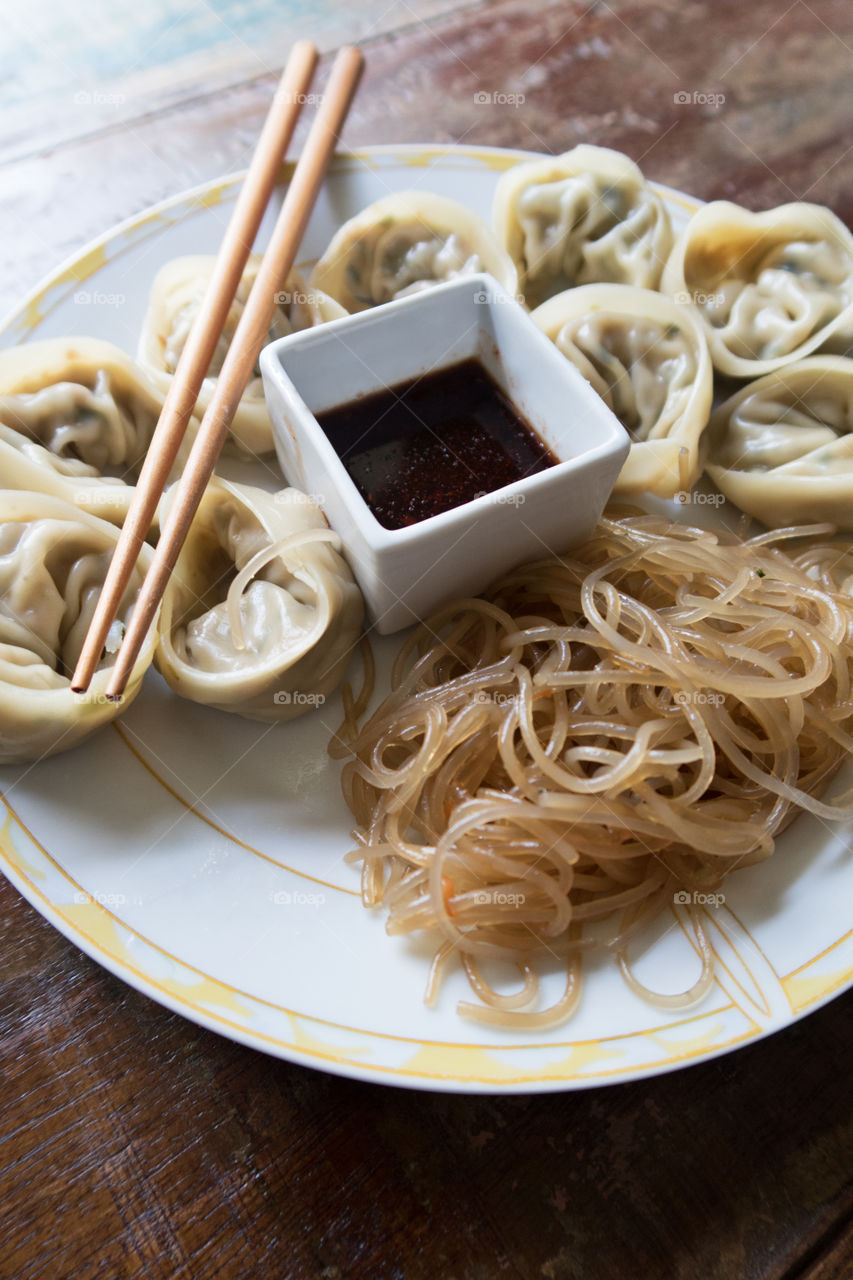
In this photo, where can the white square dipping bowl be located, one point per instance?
(407, 573)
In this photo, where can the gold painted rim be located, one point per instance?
(484, 1072)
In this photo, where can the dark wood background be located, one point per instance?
(133, 1144)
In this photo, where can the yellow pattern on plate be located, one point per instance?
(745, 1006)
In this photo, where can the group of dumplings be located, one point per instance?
(656, 322)
(260, 616)
(649, 318)
(262, 606)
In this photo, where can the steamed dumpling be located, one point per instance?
(76, 419)
(581, 218)
(782, 447)
(648, 360)
(272, 642)
(770, 287)
(404, 243)
(24, 464)
(53, 561)
(173, 305)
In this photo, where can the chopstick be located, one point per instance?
(242, 355)
(198, 351)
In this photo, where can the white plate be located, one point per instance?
(199, 857)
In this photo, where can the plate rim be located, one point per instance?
(89, 258)
(64, 271)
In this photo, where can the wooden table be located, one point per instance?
(135, 1144)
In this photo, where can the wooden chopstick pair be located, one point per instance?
(240, 360)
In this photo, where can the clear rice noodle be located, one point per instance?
(594, 735)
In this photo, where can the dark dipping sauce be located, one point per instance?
(433, 443)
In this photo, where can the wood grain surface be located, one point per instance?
(136, 1145)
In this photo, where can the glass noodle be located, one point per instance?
(594, 735)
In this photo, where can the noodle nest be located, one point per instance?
(594, 736)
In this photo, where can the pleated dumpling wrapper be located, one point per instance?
(173, 304)
(404, 243)
(771, 287)
(781, 448)
(585, 217)
(647, 358)
(53, 561)
(262, 613)
(76, 419)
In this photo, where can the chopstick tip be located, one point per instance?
(351, 53)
